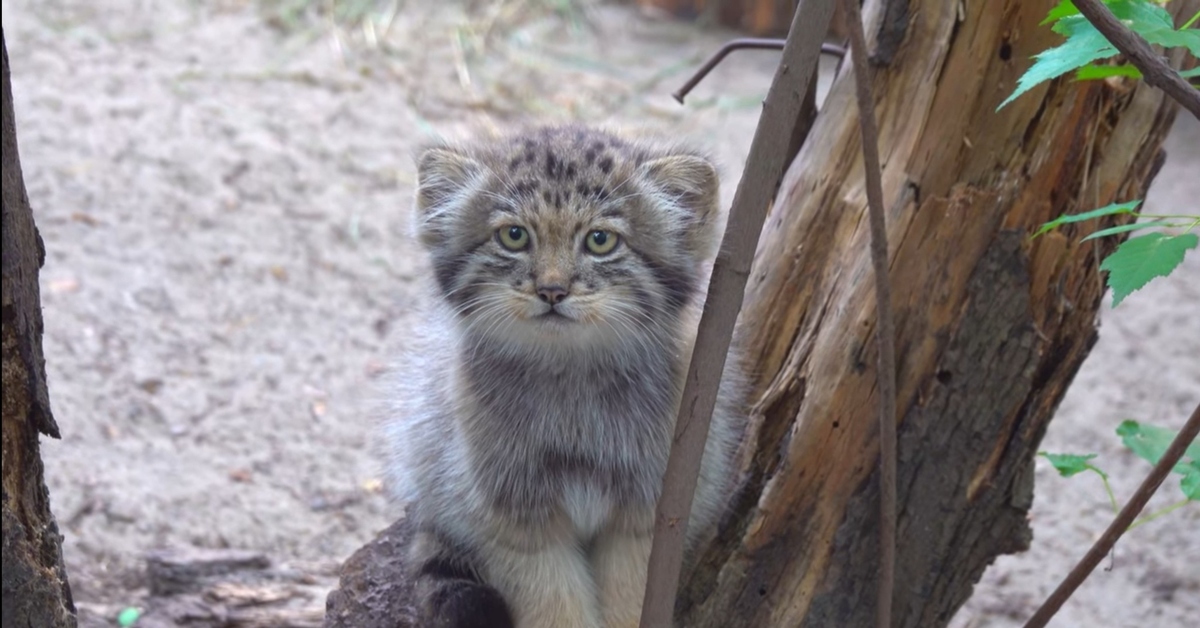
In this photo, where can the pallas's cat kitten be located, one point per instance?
(530, 429)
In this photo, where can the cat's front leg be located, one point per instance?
(547, 586)
(620, 556)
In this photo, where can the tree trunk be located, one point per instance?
(35, 589)
(991, 326)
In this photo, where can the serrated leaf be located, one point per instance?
(1130, 227)
(1084, 45)
(1142, 258)
(1070, 464)
(1107, 210)
(1150, 442)
(1091, 71)
(1142, 16)
(1155, 25)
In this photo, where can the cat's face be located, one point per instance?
(566, 237)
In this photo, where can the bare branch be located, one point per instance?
(1120, 524)
(1154, 69)
(782, 111)
(885, 330)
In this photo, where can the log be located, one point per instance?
(35, 590)
(991, 326)
(176, 570)
(229, 588)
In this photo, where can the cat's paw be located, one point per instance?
(464, 604)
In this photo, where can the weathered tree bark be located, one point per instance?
(991, 326)
(35, 589)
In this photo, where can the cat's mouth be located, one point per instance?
(554, 316)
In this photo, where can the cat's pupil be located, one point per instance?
(514, 233)
(599, 238)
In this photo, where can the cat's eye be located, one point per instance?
(601, 242)
(513, 238)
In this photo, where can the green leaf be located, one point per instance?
(1130, 227)
(1191, 482)
(1063, 9)
(1142, 16)
(1084, 45)
(1192, 73)
(1091, 71)
(1154, 23)
(1150, 442)
(1070, 464)
(1142, 258)
(1107, 210)
(1171, 38)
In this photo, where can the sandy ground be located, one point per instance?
(224, 197)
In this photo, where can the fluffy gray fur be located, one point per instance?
(529, 439)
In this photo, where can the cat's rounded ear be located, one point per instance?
(442, 175)
(689, 183)
(445, 178)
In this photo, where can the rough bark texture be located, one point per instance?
(374, 591)
(35, 589)
(991, 326)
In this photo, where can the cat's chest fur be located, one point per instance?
(584, 435)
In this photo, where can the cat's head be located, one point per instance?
(567, 235)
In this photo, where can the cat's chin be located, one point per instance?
(558, 332)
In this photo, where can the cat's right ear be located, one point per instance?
(444, 178)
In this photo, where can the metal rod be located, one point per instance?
(743, 43)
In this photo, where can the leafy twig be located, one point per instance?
(885, 330)
(1120, 524)
(764, 168)
(1068, 465)
(1155, 71)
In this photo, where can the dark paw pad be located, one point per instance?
(465, 604)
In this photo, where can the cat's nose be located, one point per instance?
(552, 294)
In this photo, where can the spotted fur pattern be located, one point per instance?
(532, 417)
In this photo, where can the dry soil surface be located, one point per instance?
(224, 194)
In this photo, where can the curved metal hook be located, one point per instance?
(743, 43)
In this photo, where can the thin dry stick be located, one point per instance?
(885, 330)
(1154, 69)
(764, 167)
(1120, 524)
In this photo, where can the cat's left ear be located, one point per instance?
(689, 183)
